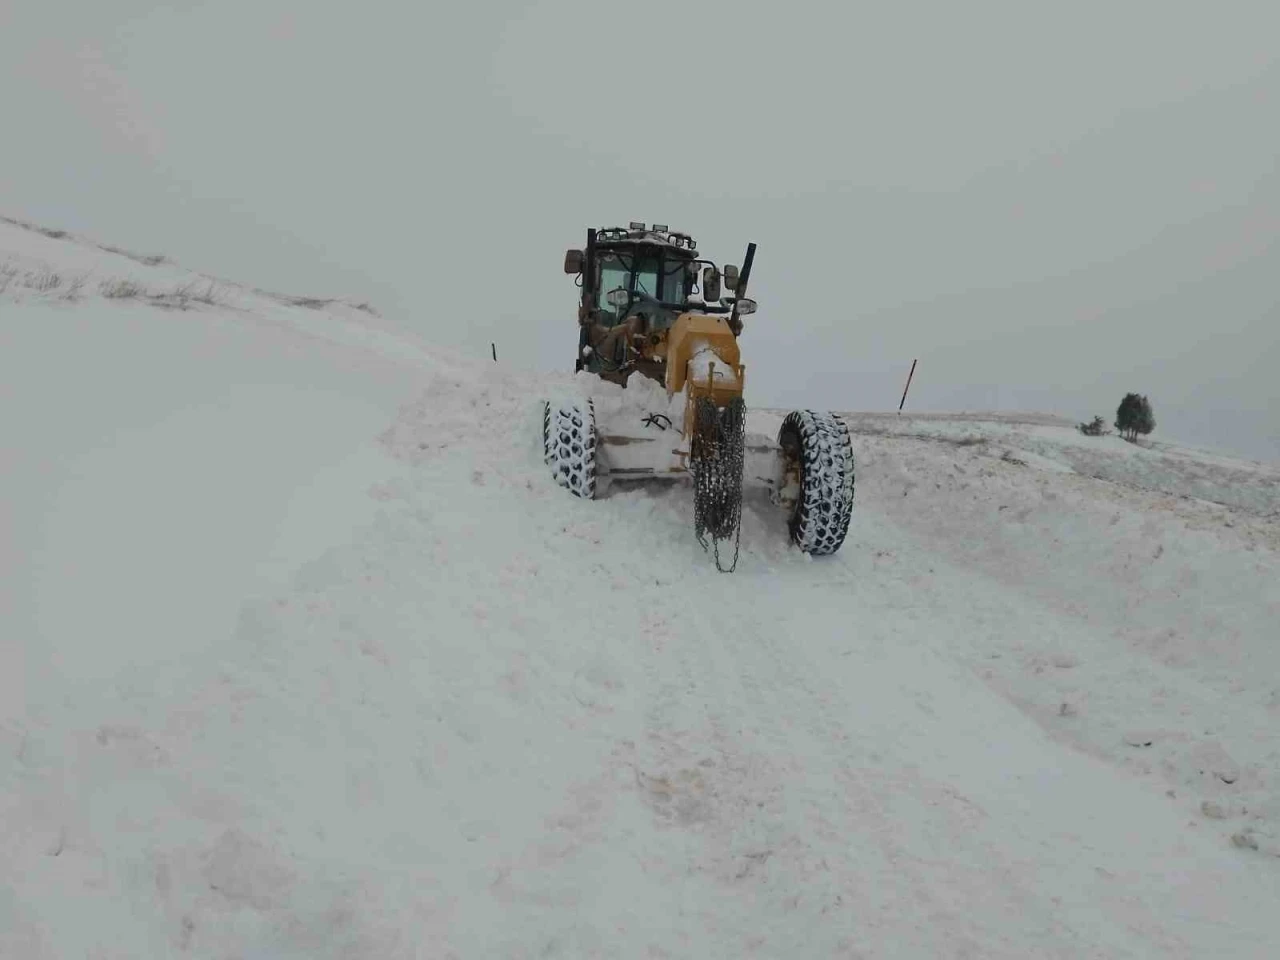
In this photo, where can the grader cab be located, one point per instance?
(650, 305)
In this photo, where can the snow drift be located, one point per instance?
(306, 656)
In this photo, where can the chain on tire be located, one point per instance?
(569, 445)
(824, 449)
(716, 457)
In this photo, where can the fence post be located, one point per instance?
(908, 386)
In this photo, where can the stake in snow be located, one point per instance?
(638, 314)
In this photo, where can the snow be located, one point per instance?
(1052, 443)
(306, 655)
(704, 363)
(622, 409)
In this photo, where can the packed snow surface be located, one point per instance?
(306, 655)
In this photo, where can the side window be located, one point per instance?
(673, 282)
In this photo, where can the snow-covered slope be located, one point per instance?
(1047, 441)
(305, 656)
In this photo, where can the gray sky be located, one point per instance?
(1048, 204)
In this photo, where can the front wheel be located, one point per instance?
(819, 454)
(569, 444)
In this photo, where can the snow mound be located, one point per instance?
(307, 655)
(1051, 443)
(49, 268)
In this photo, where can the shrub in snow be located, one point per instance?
(1097, 427)
(121, 289)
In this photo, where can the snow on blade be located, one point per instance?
(705, 363)
(306, 654)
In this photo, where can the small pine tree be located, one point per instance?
(1096, 427)
(1134, 416)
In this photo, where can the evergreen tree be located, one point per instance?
(1127, 414)
(1147, 418)
(1134, 416)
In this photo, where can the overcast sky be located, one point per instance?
(1048, 204)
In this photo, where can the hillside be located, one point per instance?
(305, 656)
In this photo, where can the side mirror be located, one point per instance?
(573, 261)
(746, 306)
(710, 284)
(731, 276)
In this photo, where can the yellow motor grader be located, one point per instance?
(651, 306)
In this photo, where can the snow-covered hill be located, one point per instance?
(305, 656)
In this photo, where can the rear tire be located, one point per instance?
(569, 444)
(818, 445)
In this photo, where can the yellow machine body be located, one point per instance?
(702, 355)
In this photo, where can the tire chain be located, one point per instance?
(823, 514)
(569, 445)
(716, 457)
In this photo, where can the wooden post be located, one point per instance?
(908, 386)
(494, 348)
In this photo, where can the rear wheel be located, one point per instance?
(569, 444)
(819, 454)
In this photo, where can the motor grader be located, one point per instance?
(651, 306)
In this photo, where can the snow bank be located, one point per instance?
(1175, 470)
(1157, 645)
(624, 409)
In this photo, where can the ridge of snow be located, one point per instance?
(64, 270)
(1173, 469)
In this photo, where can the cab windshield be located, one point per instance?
(618, 269)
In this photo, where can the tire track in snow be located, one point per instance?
(912, 842)
(1137, 921)
(784, 846)
(859, 809)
